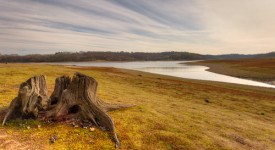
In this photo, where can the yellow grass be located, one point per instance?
(170, 113)
(256, 69)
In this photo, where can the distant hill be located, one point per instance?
(102, 56)
(122, 56)
(238, 56)
(268, 55)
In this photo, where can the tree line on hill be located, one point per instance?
(121, 56)
(101, 56)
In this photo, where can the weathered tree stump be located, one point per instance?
(61, 84)
(79, 101)
(72, 100)
(32, 97)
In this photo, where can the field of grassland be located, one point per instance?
(255, 69)
(170, 113)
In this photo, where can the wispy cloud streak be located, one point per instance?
(218, 26)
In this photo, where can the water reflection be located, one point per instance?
(172, 68)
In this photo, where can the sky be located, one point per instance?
(198, 26)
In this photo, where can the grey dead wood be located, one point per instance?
(72, 99)
(32, 97)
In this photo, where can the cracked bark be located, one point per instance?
(72, 99)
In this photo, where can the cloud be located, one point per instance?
(241, 26)
(201, 26)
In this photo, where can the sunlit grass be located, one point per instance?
(255, 69)
(170, 113)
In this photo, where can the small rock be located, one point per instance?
(38, 126)
(55, 136)
(103, 128)
(92, 129)
(85, 125)
(262, 113)
(76, 126)
(52, 140)
(91, 142)
(86, 121)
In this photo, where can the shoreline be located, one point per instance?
(168, 77)
(210, 69)
(189, 62)
(169, 111)
(236, 70)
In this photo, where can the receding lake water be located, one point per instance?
(171, 68)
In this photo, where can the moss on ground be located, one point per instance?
(255, 69)
(171, 113)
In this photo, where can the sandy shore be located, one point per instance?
(262, 70)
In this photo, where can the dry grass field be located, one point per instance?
(170, 112)
(255, 69)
